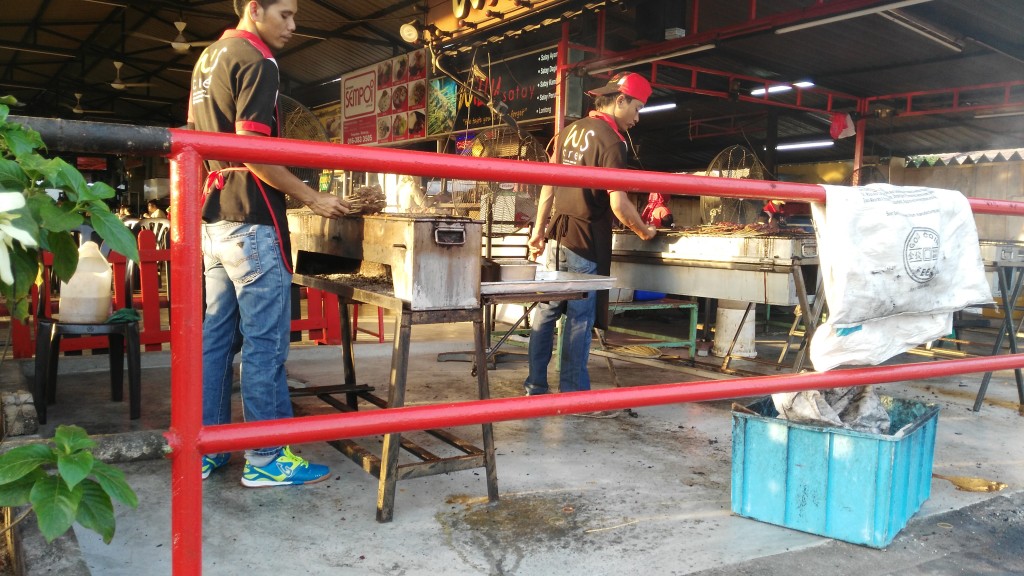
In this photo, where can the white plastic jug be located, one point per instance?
(86, 297)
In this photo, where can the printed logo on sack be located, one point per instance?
(921, 254)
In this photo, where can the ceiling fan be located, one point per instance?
(77, 108)
(179, 44)
(118, 84)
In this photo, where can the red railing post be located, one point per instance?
(187, 368)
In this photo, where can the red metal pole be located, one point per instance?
(233, 148)
(350, 425)
(187, 369)
(561, 71)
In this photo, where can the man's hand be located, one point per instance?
(329, 206)
(536, 244)
(647, 232)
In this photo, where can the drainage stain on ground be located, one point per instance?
(495, 537)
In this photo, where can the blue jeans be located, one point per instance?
(248, 310)
(574, 338)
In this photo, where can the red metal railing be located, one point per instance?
(189, 439)
(320, 321)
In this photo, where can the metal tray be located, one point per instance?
(548, 281)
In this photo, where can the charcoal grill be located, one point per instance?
(433, 261)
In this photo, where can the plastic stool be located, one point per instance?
(355, 324)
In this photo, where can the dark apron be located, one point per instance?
(603, 252)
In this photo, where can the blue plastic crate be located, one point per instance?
(852, 486)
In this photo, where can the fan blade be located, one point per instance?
(121, 85)
(77, 108)
(148, 37)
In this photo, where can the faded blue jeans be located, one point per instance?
(574, 340)
(248, 310)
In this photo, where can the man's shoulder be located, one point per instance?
(588, 121)
(236, 48)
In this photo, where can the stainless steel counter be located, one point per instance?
(547, 283)
(762, 268)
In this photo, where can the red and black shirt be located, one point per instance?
(234, 89)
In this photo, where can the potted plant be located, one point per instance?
(31, 220)
(63, 483)
(60, 480)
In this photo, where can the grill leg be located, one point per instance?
(396, 399)
(484, 392)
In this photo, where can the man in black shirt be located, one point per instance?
(582, 228)
(246, 252)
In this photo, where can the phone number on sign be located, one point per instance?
(360, 139)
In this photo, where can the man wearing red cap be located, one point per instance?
(581, 227)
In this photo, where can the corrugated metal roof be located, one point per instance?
(868, 56)
(961, 158)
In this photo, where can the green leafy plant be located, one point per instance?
(31, 220)
(79, 489)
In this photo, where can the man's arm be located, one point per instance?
(547, 198)
(322, 203)
(626, 212)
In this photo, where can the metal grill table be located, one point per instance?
(1006, 259)
(559, 286)
(386, 467)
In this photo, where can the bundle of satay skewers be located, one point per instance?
(366, 200)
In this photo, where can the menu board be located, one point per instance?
(386, 102)
(394, 101)
(526, 84)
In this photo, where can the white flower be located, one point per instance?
(9, 233)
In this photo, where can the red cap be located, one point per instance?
(628, 83)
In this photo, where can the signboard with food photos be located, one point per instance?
(386, 102)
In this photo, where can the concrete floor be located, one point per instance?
(648, 493)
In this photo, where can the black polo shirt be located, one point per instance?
(235, 88)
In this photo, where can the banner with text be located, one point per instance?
(525, 84)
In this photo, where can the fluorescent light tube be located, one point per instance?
(805, 145)
(658, 107)
(780, 88)
(848, 16)
(683, 52)
(998, 114)
(905, 21)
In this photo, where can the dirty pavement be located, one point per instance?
(647, 492)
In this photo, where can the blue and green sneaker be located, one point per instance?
(213, 461)
(285, 470)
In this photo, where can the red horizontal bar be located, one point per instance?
(325, 155)
(355, 424)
